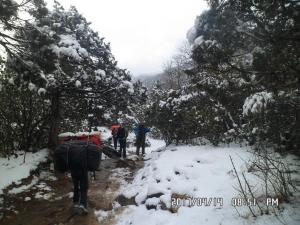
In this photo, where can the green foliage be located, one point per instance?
(23, 116)
(245, 79)
(64, 75)
(8, 11)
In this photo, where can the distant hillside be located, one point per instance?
(148, 79)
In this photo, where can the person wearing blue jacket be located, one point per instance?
(140, 132)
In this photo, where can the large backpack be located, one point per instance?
(77, 154)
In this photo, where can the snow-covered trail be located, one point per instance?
(14, 169)
(44, 198)
(137, 192)
(199, 172)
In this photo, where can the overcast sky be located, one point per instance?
(144, 34)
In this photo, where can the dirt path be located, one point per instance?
(57, 210)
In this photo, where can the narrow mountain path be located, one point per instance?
(49, 200)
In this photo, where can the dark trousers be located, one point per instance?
(122, 142)
(140, 142)
(80, 182)
(115, 140)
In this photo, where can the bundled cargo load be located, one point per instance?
(110, 152)
(94, 137)
(77, 154)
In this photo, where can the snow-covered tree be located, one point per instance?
(244, 83)
(66, 61)
(23, 118)
(247, 52)
(10, 22)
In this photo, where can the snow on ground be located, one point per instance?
(17, 190)
(14, 170)
(105, 133)
(155, 144)
(201, 173)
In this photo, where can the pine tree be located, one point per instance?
(247, 55)
(64, 60)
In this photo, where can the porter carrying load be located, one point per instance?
(83, 154)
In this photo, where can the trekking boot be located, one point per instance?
(76, 209)
(83, 209)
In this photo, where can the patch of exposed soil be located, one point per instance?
(57, 210)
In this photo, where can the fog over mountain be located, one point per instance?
(148, 79)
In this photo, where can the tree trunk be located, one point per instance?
(54, 120)
(296, 144)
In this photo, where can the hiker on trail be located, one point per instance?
(122, 136)
(140, 132)
(80, 155)
(79, 174)
(114, 131)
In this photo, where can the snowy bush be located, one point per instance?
(257, 102)
(254, 78)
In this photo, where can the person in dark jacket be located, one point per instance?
(79, 156)
(122, 136)
(79, 174)
(140, 132)
(114, 132)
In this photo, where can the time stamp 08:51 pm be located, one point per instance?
(218, 201)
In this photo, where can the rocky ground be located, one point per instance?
(47, 198)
